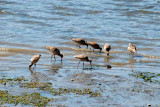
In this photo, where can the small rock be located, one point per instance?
(109, 67)
(72, 79)
(148, 105)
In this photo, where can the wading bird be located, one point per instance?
(54, 51)
(79, 42)
(107, 48)
(94, 45)
(34, 60)
(131, 49)
(83, 58)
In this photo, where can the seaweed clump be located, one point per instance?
(34, 99)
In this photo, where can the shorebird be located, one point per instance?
(83, 58)
(79, 42)
(131, 49)
(94, 45)
(54, 51)
(34, 60)
(107, 48)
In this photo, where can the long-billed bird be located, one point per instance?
(79, 42)
(83, 58)
(94, 45)
(54, 51)
(107, 48)
(34, 60)
(131, 49)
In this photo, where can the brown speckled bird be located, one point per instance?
(107, 48)
(131, 49)
(34, 60)
(79, 42)
(94, 45)
(83, 58)
(54, 51)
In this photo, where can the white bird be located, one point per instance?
(131, 49)
(34, 60)
(107, 48)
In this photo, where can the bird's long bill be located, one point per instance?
(91, 64)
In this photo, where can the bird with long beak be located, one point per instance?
(79, 42)
(131, 49)
(54, 51)
(34, 60)
(94, 45)
(83, 58)
(107, 48)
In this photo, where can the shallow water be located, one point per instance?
(26, 27)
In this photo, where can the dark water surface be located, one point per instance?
(27, 26)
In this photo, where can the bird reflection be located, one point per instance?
(131, 62)
(54, 68)
(37, 76)
(106, 59)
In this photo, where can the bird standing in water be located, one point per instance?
(54, 51)
(131, 49)
(107, 48)
(83, 58)
(94, 45)
(34, 60)
(79, 42)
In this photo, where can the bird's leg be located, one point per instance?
(79, 46)
(132, 54)
(35, 66)
(54, 57)
(93, 49)
(61, 59)
(51, 57)
(83, 64)
(78, 64)
(91, 64)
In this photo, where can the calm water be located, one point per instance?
(26, 27)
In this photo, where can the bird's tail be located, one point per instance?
(30, 65)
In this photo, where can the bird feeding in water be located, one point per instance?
(34, 60)
(83, 58)
(94, 45)
(79, 42)
(107, 48)
(54, 51)
(131, 49)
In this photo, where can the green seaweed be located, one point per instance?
(3, 81)
(34, 99)
(146, 76)
(48, 87)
